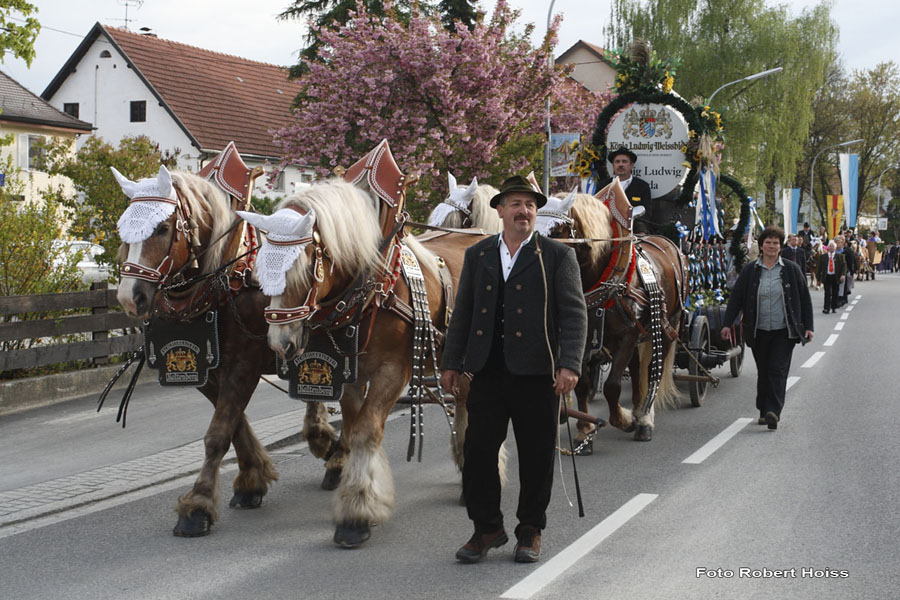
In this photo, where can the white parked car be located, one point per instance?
(91, 270)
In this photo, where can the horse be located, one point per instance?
(344, 269)
(467, 206)
(181, 228)
(620, 320)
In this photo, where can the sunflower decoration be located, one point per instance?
(640, 69)
(581, 163)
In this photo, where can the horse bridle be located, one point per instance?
(282, 316)
(185, 228)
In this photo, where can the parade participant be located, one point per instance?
(637, 190)
(794, 252)
(852, 262)
(874, 253)
(831, 270)
(776, 310)
(519, 326)
(805, 236)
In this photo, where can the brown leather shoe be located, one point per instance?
(528, 546)
(479, 544)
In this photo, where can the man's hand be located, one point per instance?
(565, 381)
(808, 335)
(450, 381)
(842, 279)
(726, 334)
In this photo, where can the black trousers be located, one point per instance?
(832, 283)
(772, 352)
(496, 397)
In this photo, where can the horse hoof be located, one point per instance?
(587, 449)
(351, 534)
(644, 433)
(332, 479)
(196, 524)
(246, 500)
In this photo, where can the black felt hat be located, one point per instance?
(622, 150)
(517, 183)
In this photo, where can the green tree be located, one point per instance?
(331, 14)
(766, 121)
(458, 10)
(99, 201)
(18, 29)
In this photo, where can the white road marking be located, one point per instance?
(553, 568)
(839, 325)
(82, 416)
(844, 316)
(790, 382)
(858, 297)
(811, 362)
(831, 340)
(717, 442)
(849, 308)
(855, 302)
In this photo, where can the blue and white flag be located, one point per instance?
(795, 203)
(850, 186)
(707, 213)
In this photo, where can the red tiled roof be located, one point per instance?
(218, 97)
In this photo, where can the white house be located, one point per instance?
(591, 69)
(181, 97)
(25, 120)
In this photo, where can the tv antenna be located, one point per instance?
(128, 4)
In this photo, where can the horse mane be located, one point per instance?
(592, 220)
(483, 215)
(347, 222)
(206, 201)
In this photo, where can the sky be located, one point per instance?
(250, 29)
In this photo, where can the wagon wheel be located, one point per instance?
(737, 362)
(700, 345)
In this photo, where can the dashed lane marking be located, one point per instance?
(831, 340)
(849, 308)
(790, 382)
(844, 316)
(839, 325)
(858, 296)
(812, 360)
(553, 568)
(717, 442)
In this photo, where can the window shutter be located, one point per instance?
(23, 151)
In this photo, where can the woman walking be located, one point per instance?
(773, 299)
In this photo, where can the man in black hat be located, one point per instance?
(519, 326)
(805, 236)
(637, 190)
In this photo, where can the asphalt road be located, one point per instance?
(715, 506)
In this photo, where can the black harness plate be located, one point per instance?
(183, 351)
(330, 360)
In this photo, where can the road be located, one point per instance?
(715, 506)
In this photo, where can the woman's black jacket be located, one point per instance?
(797, 302)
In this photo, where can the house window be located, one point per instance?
(71, 108)
(278, 186)
(35, 151)
(138, 111)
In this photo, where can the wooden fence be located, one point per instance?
(98, 324)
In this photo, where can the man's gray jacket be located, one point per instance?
(468, 343)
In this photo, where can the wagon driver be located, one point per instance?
(519, 327)
(637, 190)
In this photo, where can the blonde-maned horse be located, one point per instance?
(160, 248)
(340, 250)
(621, 337)
(467, 206)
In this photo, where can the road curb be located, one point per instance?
(19, 395)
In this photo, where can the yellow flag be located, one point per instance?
(835, 215)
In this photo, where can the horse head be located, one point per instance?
(554, 219)
(160, 231)
(317, 244)
(467, 206)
